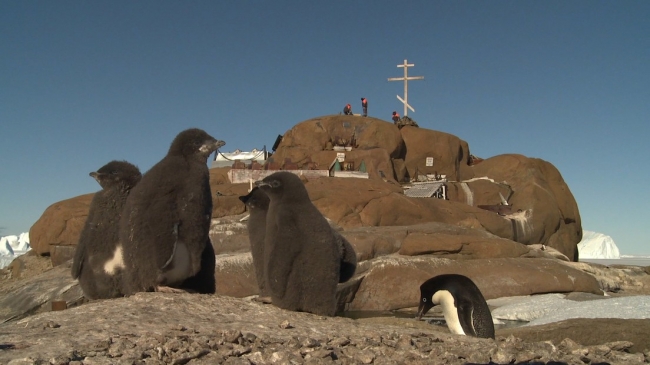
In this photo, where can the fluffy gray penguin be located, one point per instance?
(257, 203)
(98, 260)
(463, 305)
(166, 221)
(301, 258)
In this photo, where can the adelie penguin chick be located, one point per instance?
(302, 257)
(166, 221)
(257, 203)
(98, 261)
(463, 306)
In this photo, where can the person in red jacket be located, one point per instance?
(347, 110)
(395, 117)
(364, 105)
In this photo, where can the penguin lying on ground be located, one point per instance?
(98, 261)
(166, 221)
(302, 257)
(466, 311)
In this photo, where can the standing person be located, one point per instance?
(347, 110)
(395, 117)
(364, 105)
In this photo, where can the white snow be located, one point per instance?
(596, 245)
(12, 247)
(549, 308)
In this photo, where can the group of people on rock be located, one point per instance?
(347, 110)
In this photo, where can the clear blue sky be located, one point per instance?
(86, 82)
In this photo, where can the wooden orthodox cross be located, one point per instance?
(406, 65)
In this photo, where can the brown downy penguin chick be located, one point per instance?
(302, 260)
(257, 203)
(464, 307)
(166, 221)
(98, 261)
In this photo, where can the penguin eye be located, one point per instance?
(424, 300)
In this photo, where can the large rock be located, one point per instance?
(60, 224)
(450, 154)
(393, 282)
(542, 210)
(306, 141)
(552, 215)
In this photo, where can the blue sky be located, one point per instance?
(86, 82)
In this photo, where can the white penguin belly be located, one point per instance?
(114, 263)
(177, 269)
(449, 310)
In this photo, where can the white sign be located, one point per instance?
(340, 156)
(429, 161)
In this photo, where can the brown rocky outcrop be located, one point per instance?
(392, 282)
(60, 224)
(538, 188)
(398, 239)
(374, 141)
(450, 153)
(541, 208)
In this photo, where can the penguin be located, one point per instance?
(98, 261)
(348, 258)
(257, 203)
(302, 254)
(166, 221)
(463, 306)
(204, 281)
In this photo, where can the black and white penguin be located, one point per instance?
(166, 221)
(302, 254)
(463, 306)
(98, 261)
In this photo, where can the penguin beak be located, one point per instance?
(214, 145)
(218, 144)
(260, 183)
(95, 175)
(423, 309)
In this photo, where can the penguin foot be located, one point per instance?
(264, 300)
(169, 289)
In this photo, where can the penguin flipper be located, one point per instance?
(204, 281)
(466, 317)
(77, 261)
(277, 276)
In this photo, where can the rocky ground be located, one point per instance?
(161, 328)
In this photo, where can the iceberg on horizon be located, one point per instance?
(596, 245)
(13, 246)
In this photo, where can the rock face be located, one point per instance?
(398, 239)
(541, 208)
(372, 140)
(551, 212)
(59, 227)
